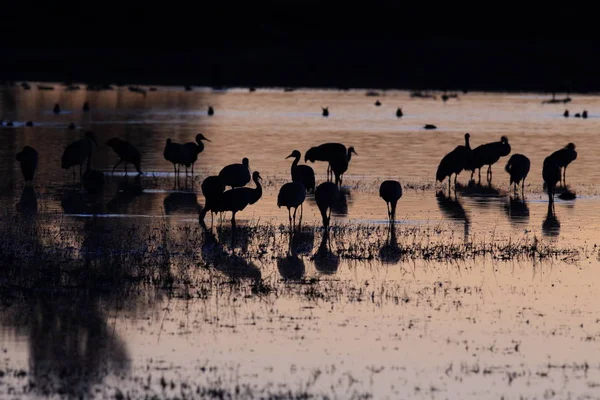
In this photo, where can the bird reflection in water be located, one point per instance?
(551, 225)
(71, 346)
(28, 205)
(452, 209)
(325, 260)
(517, 210)
(233, 266)
(390, 252)
(291, 267)
(127, 192)
(181, 202)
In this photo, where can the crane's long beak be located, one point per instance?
(208, 140)
(354, 152)
(291, 155)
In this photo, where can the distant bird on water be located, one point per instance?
(518, 167)
(566, 114)
(86, 106)
(191, 151)
(291, 195)
(237, 199)
(488, 154)
(326, 195)
(584, 114)
(303, 174)
(454, 162)
(127, 153)
(211, 111)
(28, 157)
(377, 103)
(563, 158)
(390, 191)
(236, 175)
(56, 109)
(325, 111)
(399, 112)
(77, 152)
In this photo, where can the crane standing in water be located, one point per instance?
(77, 152)
(236, 175)
(127, 153)
(326, 195)
(291, 195)
(454, 162)
(28, 158)
(563, 158)
(303, 174)
(487, 154)
(390, 191)
(518, 167)
(191, 151)
(237, 199)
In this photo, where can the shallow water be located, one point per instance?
(261, 322)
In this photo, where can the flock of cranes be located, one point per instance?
(463, 158)
(293, 194)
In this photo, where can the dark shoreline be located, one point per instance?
(559, 66)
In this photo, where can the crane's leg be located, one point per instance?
(175, 169)
(301, 213)
(116, 165)
(125, 168)
(449, 183)
(479, 173)
(388, 209)
(455, 178)
(565, 177)
(523, 187)
(73, 172)
(295, 209)
(80, 167)
(290, 217)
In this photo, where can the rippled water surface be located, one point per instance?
(479, 295)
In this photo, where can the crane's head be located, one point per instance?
(504, 140)
(571, 146)
(295, 154)
(351, 150)
(467, 136)
(246, 163)
(200, 137)
(168, 140)
(256, 176)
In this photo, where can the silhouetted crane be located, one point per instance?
(212, 189)
(391, 192)
(339, 165)
(127, 153)
(291, 195)
(326, 152)
(191, 151)
(326, 195)
(551, 175)
(563, 158)
(77, 152)
(173, 153)
(454, 162)
(93, 180)
(488, 154)
(28, 157)
(303, 174)
(236, 175)
(518, 167)
(239, 198)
